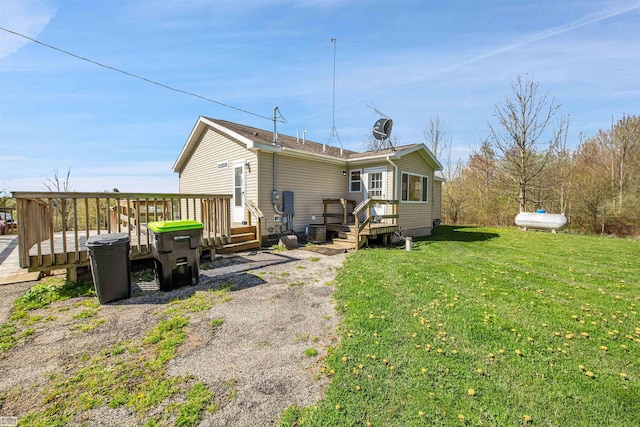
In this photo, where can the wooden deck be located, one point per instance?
(53, 228)
(71, 251)
(358, 233)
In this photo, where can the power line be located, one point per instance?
(136, 76)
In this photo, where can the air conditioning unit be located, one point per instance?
(317, 233)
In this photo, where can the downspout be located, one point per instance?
(395, 178)
(393, 194)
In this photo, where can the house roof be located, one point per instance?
(260, 139)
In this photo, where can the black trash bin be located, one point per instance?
(176, 252)
(110, 266)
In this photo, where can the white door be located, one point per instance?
(238, 192)
(375, 187)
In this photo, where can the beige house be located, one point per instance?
(294, 183)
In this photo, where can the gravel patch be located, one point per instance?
(253, 362)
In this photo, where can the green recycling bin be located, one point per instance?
(176, 252)
(110, 266)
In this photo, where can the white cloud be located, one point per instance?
(28, 17)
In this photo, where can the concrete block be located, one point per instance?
(289, 242)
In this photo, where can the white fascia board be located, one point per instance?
(258, 146)
(300, 154)
(249, 143)
(426, 153)
(312, 156)
(198, 129)
(188, 145)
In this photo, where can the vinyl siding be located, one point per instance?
(310, 181)
(437, 199)
(414, 216)
(201, 173)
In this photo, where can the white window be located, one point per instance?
(415, 188)
(355, 180)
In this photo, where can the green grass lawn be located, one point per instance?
(486, 326)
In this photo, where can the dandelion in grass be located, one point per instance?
(623, 375)
(423, 370)
(518, 352)
(604, 348)
(581, 367)
(338, 407)
(461, 417)
(471, 392)
(421, 413)
(590, 374)
(357, 388)
(479, 371)
(344, 359)
(527, 418)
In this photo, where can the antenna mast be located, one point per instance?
(334, 131)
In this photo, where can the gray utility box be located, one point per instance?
(110, 266)
(176, 252)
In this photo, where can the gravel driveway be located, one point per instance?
(254, 362)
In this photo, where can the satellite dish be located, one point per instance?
(382, 129)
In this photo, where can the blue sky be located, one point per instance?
(411, 59)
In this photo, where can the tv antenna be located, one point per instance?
(382, 129)
(334, 131)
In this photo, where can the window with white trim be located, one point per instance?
(415, 188)
(355, 180)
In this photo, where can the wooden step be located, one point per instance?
(347, 235)
(238, 247)
(242, 237)
(243, 230)
(344, 242)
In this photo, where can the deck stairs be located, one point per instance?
(345, 235)
(242, 239)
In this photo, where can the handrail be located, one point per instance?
(252, 209)
(365, 206)
(368, 202)
(53, 226)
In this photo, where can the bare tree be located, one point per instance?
(435, 137)
(60, 185)
(625, 136)
(522, 136)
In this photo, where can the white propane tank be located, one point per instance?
(542, 220)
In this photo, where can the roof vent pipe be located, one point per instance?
(304, 136)
(297, 137)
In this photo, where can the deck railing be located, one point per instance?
(53, 227)
(368, 206)
(346, 209)
(253, 212)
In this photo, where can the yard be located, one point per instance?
(474, 326)
(486, 327)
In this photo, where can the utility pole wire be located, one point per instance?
(135, 75)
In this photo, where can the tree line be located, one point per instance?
(525, 163)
